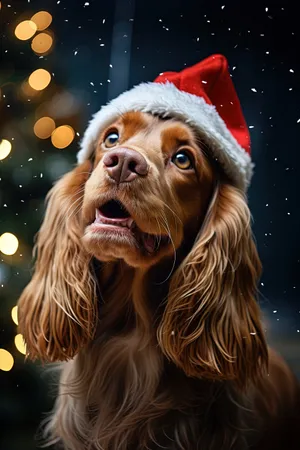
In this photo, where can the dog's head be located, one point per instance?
(150, 189)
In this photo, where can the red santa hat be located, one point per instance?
(202, 96)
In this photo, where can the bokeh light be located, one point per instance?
(25, 30)
(20, 344)
(14, 315)
(62, 136)
(42, 43)
(44, 127)
(42, 20)
(39, 79)
(5, 148)
(6, 360)
(8, 244)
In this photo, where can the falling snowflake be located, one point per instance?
(86, 4)
(275, 311)
(253, 90)
(251, 126)
(292, 71)
(222, 7)
(75, 53)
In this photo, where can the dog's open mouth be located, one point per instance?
(113, 216)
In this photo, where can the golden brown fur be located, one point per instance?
(162, 349)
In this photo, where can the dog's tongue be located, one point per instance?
(149, 242)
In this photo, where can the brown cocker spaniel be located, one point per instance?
(145, 287)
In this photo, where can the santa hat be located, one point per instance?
(202, 96)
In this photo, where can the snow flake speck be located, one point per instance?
(298, 121)
(222, 7)
(253, 90)
(292, 71)
(251, 126)
(75, 53)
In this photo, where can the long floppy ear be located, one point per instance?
(58, 308)
(211, 326)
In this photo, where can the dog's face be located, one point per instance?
(149, 187)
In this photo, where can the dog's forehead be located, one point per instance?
(170, 132)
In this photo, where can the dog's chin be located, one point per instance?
(135, 248)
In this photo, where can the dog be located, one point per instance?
(145, 289)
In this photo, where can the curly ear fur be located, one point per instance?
(58, 308)
(211, 326)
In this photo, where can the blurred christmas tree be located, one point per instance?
(39, 116)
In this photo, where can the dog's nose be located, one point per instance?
(124, 164)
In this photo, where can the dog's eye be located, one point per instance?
(111, 139)
(182, 160)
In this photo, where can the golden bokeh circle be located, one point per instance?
(39, 79)
(14, 315)
(8, 244)
(5, 148)
(42, 43)
(62, 136)
(25, 30)
(6, 360)
(20, 344)
(44, 127)
(42, 20)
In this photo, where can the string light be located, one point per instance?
(25, 30)
(42, 43)
(5, 148)
(6, 360)
(39, 79)
(14, 315)
(42, 20)
(8, 244)
(44, 127)
(62, 136)
(20, 344)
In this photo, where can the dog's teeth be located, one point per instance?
(129, 222)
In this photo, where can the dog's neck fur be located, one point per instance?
(122, 394)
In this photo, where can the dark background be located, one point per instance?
(142, 39)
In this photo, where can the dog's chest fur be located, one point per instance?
(129, 397)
